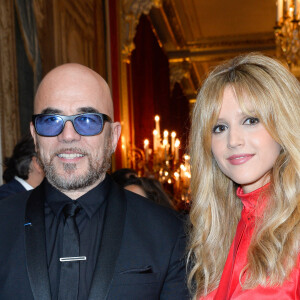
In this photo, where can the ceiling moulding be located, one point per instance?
(171, 17)
(207, 48)
(131, 12)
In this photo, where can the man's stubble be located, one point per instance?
(69, 181)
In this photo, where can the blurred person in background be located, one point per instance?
(122, 175)
(23, 172)
(149, 188)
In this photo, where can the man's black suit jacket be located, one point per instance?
(140, 257)
(11, 188)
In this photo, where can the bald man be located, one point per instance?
(79, 235)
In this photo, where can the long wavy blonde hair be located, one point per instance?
(275, 96)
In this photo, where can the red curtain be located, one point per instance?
(114, 46)
(150, 84)
(179, 110)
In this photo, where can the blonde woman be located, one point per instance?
(245, 156)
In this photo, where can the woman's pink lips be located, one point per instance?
(239, 159)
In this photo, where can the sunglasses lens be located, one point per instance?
(88, 124)
(49, 125)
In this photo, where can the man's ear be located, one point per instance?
(115, 132)
(36, 165)
(33, 133)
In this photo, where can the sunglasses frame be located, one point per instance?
(104, 117)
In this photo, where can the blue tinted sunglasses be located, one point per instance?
(85, 124)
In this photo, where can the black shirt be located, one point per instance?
(90, 223)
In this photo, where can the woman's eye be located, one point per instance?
(251, 121)
(219, 128)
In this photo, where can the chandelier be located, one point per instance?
(163, 162)
(287, 32)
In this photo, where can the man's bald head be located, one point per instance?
(70, 80)
(75, 163)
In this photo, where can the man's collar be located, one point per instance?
(26, 185)
(90, 202)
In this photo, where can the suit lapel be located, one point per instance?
(110, 243)
(35, 244)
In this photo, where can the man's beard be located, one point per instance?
(95, 169)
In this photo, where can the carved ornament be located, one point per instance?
(178, 71)
(131, 12)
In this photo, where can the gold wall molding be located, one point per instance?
(74, 32)
(262, 40)
(179, 71)
(171, 17)
(131, 12)
(10, 127)
(39, 7)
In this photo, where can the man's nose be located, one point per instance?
(69, 134)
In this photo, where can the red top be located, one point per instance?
(229, 287)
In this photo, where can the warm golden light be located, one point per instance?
(187, 174)
(287, 28)
(166, 133)
(164, 160)
(182, 167)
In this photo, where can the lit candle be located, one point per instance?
(287, 7)
(177, 180)
(186, 161)
(156, 118)
(279, 9)
(166, 134)
(182, 170)
(173, 135)
(187, 177)
(284, 7)
(155, 140)
(146, 148)
(165, 144)
(176, 156)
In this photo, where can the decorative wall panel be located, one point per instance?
(8, 79)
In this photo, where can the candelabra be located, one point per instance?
(163, 161)
(287, 33)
